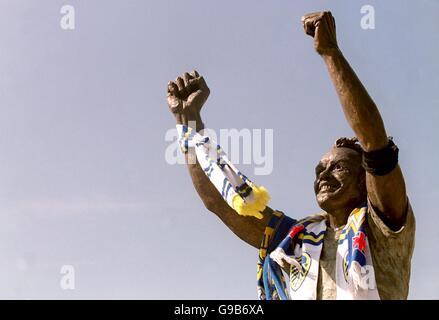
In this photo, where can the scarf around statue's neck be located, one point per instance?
(301, 250)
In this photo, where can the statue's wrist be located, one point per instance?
(179, 118)
(192, 120)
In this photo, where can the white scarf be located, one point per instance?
(240, 193)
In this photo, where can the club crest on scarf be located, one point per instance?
(298, 275)
(355, 236)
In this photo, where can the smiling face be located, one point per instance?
(340, 181)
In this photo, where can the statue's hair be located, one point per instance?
(351, 143)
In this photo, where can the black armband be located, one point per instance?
(381, 162)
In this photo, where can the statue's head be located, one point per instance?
(340, 178)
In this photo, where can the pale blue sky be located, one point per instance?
(83, 180)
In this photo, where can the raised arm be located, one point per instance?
(186, 96)
(387, 193)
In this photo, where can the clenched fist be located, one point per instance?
(186, 96)
(321, 26)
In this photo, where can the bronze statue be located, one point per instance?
(346, 177)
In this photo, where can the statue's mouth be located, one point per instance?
(325, 186)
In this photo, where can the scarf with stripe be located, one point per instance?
(291, 270)
(240, 193)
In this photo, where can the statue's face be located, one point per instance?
(340, 180)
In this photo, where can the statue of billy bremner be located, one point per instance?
(360, 245)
